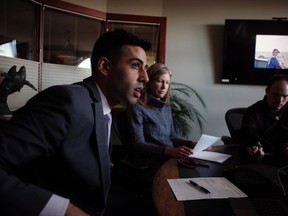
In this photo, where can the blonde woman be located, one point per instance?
(153, 132)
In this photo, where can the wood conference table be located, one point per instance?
(164, 200)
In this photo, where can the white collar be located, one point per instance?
(105, 105)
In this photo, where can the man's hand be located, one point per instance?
(72, 210)
(256, 151)
(179, 152)
(284, 148)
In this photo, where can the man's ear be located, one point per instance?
(103, 66)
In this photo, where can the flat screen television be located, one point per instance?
(249, 46)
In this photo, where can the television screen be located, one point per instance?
(254, 50)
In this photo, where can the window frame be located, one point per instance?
(161, 21)
(106, 17)
(37, 71)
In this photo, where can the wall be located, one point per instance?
(194, 51)
(194, 48)
(139, 7)
(100, 5)
(147, 7)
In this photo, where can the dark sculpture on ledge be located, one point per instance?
(12, 82)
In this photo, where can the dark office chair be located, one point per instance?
(127, 171)
(122, 130)
(233, 118)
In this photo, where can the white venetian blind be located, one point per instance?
(54, 74)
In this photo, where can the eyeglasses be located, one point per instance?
(190, 163)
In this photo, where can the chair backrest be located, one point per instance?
(233, 118)
(122, 128)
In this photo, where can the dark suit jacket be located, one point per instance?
(55, 144)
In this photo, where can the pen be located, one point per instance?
(199, 187)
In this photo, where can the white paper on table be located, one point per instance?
(219, 187)
(211, 156)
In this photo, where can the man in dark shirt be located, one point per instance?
(265, 124)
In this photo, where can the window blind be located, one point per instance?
(54, 74)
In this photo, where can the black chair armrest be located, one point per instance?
(227, 140)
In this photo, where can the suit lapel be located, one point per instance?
(103, 152)
(101, 134)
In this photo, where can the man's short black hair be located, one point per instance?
(110, 45)
(276, 78)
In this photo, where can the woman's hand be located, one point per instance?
(178, 152)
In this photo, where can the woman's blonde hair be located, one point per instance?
(154, 71)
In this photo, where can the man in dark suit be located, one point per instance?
(54, 156)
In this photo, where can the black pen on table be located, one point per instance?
(199, 187)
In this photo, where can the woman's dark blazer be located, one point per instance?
(55, 144)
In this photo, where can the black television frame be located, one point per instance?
(239, 50)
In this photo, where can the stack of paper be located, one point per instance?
(203, 143)
(219, 187)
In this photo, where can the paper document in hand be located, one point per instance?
(203, 143)
(219, 187)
